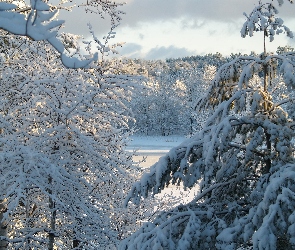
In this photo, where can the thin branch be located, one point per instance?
(208, 190)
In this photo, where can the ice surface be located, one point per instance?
(151, 148)
(157, 144)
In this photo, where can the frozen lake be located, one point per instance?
(151, 148)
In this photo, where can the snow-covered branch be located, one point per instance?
(39, 24)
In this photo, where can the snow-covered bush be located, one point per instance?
(63, 133)
(242, 160)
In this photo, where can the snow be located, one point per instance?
(155, 143)
(41, 26)
(149, 149)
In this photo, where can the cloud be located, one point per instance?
(153, 10)
(217, 10)
(77, 19)
(142, 11)
(167, 52)
(132, 50)
(141, 36)
(196, 13)
(212, 32)
(175, 28)
(192, 24)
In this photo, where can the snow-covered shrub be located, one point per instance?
(63, 170)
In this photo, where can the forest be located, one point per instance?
(68, 109)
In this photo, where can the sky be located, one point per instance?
(160, 29)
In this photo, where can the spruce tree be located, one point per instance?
(242, 159)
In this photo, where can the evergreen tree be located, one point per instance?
(242, 159)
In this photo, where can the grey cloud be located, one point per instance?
(212, 32)
(76, 22)
(139, 11)
(141, 36)
(198, 12)
(132, 50)
(194, 13)
(225, 10)
(151, 10)
(167, 52)
(192, 24)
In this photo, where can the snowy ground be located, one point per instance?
(151, 148)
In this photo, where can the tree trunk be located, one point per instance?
(51, 234)
(3, 227)
(266, 109)
(268, 146)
